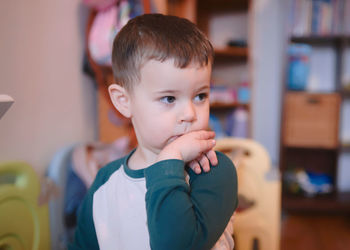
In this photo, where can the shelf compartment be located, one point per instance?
(310, 159)
(232, 52)
(337, 202)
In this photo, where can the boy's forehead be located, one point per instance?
(165, 75)
(170, 63)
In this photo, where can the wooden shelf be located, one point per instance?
(321, 40)
(223, 5)
(345, 148)
(310, 148)
(232, 52)
(329, 203)
(217, 105)
(345, 93)
(313, 93)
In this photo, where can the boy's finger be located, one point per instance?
(204, 162)
(204, 134)
(194, 165)
(212, 157)
(206, 145)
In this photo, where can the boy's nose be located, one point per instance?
(188, 113)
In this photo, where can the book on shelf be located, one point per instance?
(319, 17)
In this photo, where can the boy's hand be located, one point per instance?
(204, 161)
(194, 148)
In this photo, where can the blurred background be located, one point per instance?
(281, 81)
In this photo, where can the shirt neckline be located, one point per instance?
(139, 173)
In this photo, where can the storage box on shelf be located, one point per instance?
(311, 120)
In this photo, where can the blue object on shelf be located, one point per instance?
(243, 93)
(215, 125)
(237, 123)
(299, 66)
(308, 183)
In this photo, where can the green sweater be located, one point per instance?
(155, 208)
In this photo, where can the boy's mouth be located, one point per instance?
(173, 138)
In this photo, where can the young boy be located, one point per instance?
(162, 67)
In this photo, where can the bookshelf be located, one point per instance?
(204, 13)
(219, 20)
(219, 106)
(307, 153)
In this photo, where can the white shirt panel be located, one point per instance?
(119, 213)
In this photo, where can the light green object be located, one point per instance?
(23, 223)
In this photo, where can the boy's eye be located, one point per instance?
(201, 97)
(168, 99)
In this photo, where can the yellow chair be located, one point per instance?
(257, 221)
(23, 223)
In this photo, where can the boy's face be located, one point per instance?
(169, 102)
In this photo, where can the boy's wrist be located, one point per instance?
(162, 170)
(169, 153)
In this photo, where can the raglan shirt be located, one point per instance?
(155, 208)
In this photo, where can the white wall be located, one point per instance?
(268, 37)
(41, 50)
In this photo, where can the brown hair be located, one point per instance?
(157, 37)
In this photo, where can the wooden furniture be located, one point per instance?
(103, 75)
(310, 132)
(227, 58)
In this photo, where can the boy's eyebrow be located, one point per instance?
(173, 91)
(205, 87)
(167, 91)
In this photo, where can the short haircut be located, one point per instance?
(157, 37)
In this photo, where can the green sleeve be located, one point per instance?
(182, 216)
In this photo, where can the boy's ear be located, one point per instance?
(120, 99)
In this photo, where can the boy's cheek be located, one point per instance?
(204, 124)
